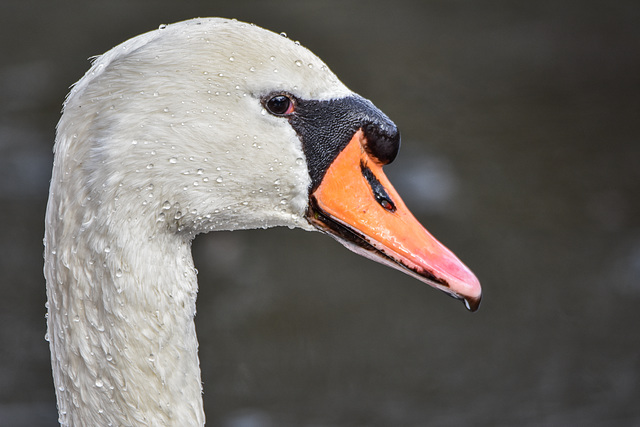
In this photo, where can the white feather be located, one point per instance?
(162, 139)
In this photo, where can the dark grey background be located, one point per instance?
(521, 152)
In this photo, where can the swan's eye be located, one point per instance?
(280, 105)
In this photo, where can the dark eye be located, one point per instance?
(280, 105)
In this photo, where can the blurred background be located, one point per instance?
(521, 152)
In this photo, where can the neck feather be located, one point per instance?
(121, 326)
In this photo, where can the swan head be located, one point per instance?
(213, 124)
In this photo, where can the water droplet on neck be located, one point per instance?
(162, 26)
(99, 382)
(173, 160)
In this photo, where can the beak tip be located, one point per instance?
(466, 287)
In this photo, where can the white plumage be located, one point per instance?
(160, 140)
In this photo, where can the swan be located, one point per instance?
(202, 125)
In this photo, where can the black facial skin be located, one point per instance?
(326, 127)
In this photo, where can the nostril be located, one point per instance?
(383, 141)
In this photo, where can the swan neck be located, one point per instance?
(121, 323)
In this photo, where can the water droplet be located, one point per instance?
(273, 58)
(200, 171)
(231, 58)
(219, 179)
(134, 142)
(178, 215)
(150, 166)
(107, 249)
(119, 272)
(162, 26)
(165, 109)
(277, 182)
(161, 217)
(300, 161)
(61, 388)
(283, 34)
(152, 358)
(298, 63)
(99, 382)
(173, 160)
(310, 65)
(166, 205)
(252, 69)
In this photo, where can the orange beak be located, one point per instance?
(356, 204)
